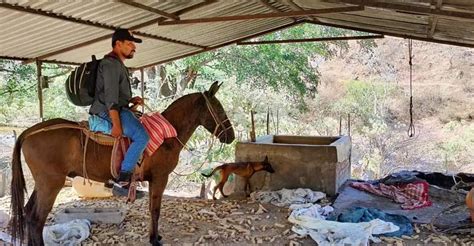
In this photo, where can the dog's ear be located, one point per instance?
(266, 159)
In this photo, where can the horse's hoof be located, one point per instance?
(156, 241)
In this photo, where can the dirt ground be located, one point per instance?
(188, 220)
(231, 222)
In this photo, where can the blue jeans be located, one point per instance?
(131, 127)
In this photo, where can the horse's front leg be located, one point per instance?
(157, 187)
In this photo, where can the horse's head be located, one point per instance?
(215, 119)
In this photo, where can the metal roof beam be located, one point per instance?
(44, 61)
(351, 26)
(295, 6)
(264, 16)
(149, 9)
(105, 37)
(267, 4)
(53, 15)
(305, 40)
(409, 8)
(224, 44)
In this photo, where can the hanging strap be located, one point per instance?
(411, 128)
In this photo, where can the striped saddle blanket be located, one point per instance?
(158, 128)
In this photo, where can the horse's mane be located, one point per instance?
(176, 102)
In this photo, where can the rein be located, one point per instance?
(219, 123)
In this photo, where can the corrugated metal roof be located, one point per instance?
(82, 28)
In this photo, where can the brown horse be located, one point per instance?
(54, 154)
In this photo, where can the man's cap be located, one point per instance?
(124, 34)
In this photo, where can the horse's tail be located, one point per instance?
(18, 190)
(212, 173)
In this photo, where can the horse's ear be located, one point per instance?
(266, 159)
(214, 88)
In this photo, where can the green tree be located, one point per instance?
(284, 67)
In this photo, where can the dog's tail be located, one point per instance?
(212, 173)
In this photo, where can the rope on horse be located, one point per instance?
(219, 123)
(84, 146)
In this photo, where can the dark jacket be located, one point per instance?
(113, 90)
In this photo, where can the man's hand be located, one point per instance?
(116, 131)
(116, 124)
(136, 100)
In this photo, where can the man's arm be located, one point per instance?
(116, 124)
(111, 75)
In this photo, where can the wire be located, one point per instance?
(411, 129)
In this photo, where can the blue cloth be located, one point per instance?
(100, 123)
(131, 127)
(360, 214)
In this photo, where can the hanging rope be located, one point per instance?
(411, 128)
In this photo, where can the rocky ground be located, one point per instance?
(189, 220)
(201, 221)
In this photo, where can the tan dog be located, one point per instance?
(243, 169)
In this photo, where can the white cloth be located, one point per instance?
(69, 233)
(286, 197)
(311, 221)
(312, 210)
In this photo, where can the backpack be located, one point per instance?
(80, 85)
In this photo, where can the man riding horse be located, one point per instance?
(110, 111)
(58, 148)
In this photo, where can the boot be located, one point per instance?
(122, 185)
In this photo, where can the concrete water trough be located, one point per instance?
(315, 162)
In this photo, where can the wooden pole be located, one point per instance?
(305, 40)
(340, 125)
(40, 89)
(149, 9)
(253, 137)
(268, 121)
(408, 8)
(278, 124)
(349, 124)
(302, 13)
(142, 86)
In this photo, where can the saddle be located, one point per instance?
(120, 147)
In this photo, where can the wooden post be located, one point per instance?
(268, 121)
(278, 124)
(253, 137)
(142, 87)
(340, 125)
(349, 124)
(40, 88)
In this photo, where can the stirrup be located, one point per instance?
(122, 191)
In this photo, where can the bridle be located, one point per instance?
(215, 116)
(219, 123)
